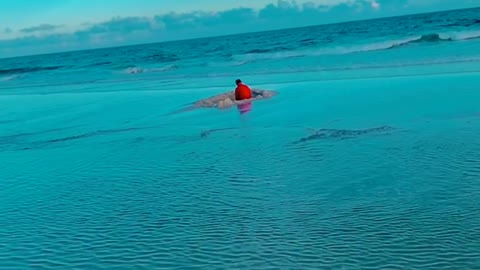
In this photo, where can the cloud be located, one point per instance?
(375, 4)
(7, 30)
(125, 25)
(41, 28)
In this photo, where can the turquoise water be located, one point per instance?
(96, 173)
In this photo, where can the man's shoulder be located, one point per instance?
(242, 86)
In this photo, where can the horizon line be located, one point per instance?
(241, 33)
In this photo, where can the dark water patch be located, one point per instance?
(207, 133)
(308, 41)
(465, 22)
(7, 121)
(160, 57)
(428, 38)
(99, 64)
(18, 136)
(325, 134)
(260, 51)
(27, 70)
(452, 25)
(95, 133)
(269, 50)
(20, 142)
(431, 38)
(476, 21)
(69, 138)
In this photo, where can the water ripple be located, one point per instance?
(389, 202)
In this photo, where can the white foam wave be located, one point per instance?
(8, 78)
(359, 48)
(466, 35)
(337, 50)
(136, 70)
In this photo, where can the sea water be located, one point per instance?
(368, 157)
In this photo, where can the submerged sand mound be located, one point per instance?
(227, 100)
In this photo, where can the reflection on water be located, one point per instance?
(245, 107)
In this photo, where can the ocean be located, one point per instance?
(368, 157)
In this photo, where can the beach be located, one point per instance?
(363, 160)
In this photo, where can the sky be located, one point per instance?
(35, 27)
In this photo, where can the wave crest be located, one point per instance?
(9, 78)
(136, 70)
(265, 54)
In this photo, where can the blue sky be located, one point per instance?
(34, 26)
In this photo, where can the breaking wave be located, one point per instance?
(136, 70)
(387, 43)
(340, 50)
(8, 78)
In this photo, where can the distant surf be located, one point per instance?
(9, 78)
(365, 45)
(135, 70)
(260, 55)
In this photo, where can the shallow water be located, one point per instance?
(98, 174)
(107, 180)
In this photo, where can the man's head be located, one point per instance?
(238, 81)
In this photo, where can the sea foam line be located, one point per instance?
(374, 46)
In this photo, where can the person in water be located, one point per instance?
(242, 94)
(242, 91)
